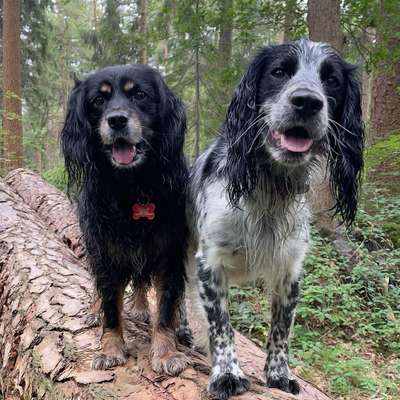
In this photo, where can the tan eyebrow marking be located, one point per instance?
(105, 88)
(128, 85)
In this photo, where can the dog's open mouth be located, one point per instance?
(123, 152)
(295, 140)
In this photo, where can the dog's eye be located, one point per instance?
(332, 82)
(278, 73)
(98, 101)
(139, 95)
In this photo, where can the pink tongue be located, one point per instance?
(124, 154)
(296, 144)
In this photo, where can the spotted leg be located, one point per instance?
(226, 379)
(284, 301)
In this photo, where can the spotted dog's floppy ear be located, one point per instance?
(240, 129)
(75, 136)
(346, 153)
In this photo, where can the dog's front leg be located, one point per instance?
(113, 347)
(226, 379)
(165, 358)
(284, 301)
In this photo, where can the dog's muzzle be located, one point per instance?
(122, 132)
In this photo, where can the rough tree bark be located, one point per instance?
(324, 22)
(197, 88)
(12, 118)
(324, 26)
(289, 17)
(225, 32)
(143, 12)
(1, 88)
(385, 96)
(45, 347)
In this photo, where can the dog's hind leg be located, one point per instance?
(284, 301)
(164, 356)
(184, 333)
(226, 379)
(138, 305)
(113, 346)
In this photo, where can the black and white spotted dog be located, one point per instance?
(297, 104)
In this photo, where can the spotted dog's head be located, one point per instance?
(297, 101)
(124, 116)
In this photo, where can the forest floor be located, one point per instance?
(346, 338)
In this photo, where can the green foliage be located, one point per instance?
(386, 151)
(248, 311)
(57, 177)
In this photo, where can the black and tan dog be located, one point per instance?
(123, 147)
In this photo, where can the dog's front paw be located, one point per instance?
(107, 361)
(284, 383)
(93, 320)
(222, 386)
(172, 363)
(114, 351)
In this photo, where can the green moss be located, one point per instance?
(385, 151)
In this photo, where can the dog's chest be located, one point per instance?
(247, 242)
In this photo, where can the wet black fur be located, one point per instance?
(346, 160)
(121, 249)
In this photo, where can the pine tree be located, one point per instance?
(12, 86)
(324, 26)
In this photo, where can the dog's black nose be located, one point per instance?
(306, 105)
(117, 121)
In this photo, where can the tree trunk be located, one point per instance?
(385, 115)
(1, 88)
(94, 15)
(324, 22)
(197, 89)
(45, 346)
(12, 117)
(324, 26)
(385, 98)
(225, 32)
(289, 21)
(143, 10)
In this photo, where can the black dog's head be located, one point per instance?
(124, 116)
(297, 101)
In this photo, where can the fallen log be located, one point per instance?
(46, 348)
(52, 206)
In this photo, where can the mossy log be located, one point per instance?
(46, 348)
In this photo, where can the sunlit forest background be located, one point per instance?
(347, 334)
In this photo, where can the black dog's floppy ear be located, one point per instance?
(240, 129)
(74, 136)
(346, 155)
(173, 126)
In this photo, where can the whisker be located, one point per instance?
(248, 128)
(341, 126)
